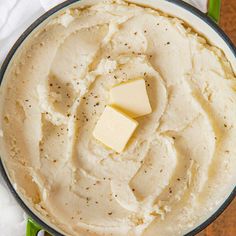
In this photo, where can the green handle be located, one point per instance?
(214, 10)
(32, 228)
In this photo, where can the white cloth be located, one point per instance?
(12, 218)
(200, 4)
(15, 17)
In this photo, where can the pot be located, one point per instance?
(204, 24)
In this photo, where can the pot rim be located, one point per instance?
(35, 24)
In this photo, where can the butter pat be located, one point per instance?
(114, 129)
(131, 97)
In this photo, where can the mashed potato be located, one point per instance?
(180, 163)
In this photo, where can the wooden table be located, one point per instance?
(225, 225)
(228, 18)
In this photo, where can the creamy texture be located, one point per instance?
(180, 163)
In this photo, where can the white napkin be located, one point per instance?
(46, 4)
(200, 4)
(12, 218)
(15, 17)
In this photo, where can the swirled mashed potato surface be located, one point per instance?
(180, 163)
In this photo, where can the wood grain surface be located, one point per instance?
(228, 18)
(225, 225)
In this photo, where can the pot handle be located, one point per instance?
(33, 228)
(214, 10)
